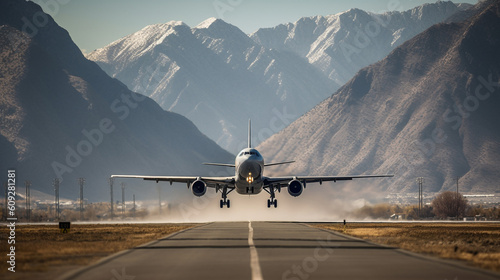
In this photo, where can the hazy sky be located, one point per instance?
(95, 23)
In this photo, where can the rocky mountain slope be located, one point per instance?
(429, 109)
(63, 117)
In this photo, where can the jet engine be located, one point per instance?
(295, 188)
(199, 188)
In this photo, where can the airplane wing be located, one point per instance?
(211, 181)
(283, 181)
(219, 164)
(278, 163)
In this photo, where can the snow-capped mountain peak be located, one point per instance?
(214, 28)
(206, 23)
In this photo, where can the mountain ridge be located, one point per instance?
(428, 110)
(63, 117)
(203, 73)
(216, 68)
(345, 42)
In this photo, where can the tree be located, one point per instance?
(449, 204)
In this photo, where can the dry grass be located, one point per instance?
(476, 243)
(42, 251)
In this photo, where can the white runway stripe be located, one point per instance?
(254, 257)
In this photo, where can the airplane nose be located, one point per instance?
(250, 171)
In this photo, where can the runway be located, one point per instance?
(270, 250)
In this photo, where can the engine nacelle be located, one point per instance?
(295, 188)
(199, 188)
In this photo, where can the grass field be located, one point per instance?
(42, 252)
(476, 243)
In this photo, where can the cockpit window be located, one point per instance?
(253, 153)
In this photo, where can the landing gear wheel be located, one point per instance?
(268, 203)
(275, 203)
(224, 200)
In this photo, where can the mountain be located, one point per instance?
(217, 76)
(62, 116)
(341, 44)
(429, 109)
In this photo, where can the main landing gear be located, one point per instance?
(272, 200)
(224, 200)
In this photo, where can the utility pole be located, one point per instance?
(111, 180)
(56, 198)
(123, 200)
(81, 181)
(420, 181)
(28, 200)
(134, 206)
(457, 198)
(421, 196)
(159, 198)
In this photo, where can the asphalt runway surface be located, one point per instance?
(270, 250)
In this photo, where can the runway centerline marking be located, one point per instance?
(254, 257)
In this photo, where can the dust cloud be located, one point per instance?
(330, 202)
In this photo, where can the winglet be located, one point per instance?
(249, 133)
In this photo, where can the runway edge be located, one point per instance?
(448, 262)
(74, 273)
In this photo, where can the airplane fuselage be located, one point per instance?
(249, 168)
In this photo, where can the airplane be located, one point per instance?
(248, 179)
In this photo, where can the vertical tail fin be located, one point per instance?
(249, 133)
